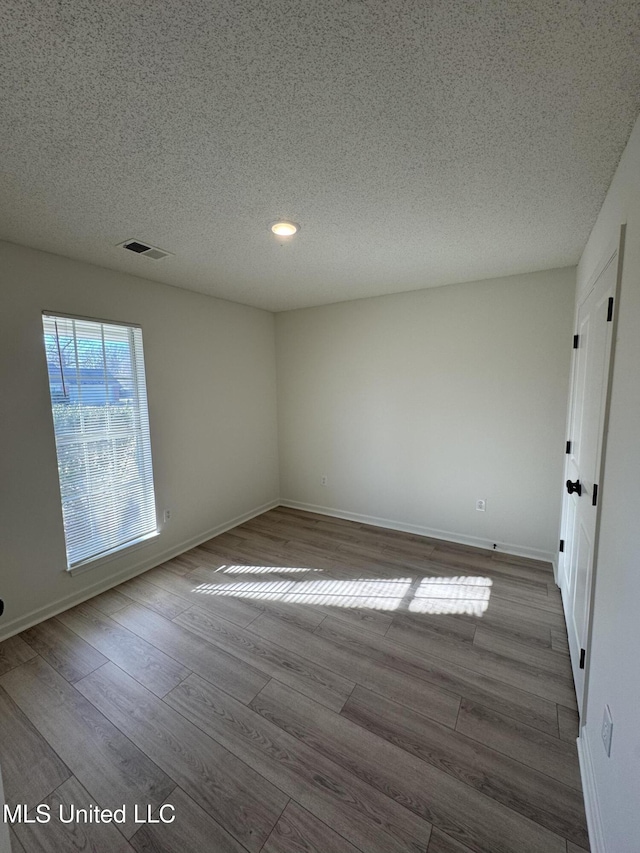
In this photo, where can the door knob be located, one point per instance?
(574, 487)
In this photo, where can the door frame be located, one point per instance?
(614, 254)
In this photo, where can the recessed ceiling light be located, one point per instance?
(284, 228)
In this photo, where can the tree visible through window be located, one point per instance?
(101, 423)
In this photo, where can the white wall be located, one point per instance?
(415, 405)
(613, 784)
(212, 403)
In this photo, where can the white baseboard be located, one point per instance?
(591, 805)
(21, 623)
(447, 535)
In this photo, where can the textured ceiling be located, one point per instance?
(417, 143)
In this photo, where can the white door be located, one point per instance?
(590, 377)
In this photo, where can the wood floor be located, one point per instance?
(302, 683)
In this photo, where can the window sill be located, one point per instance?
(110, 556)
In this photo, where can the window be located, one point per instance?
(101, 422)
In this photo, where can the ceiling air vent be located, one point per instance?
(144, 249)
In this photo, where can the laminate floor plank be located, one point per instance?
(194, 653)
(287, 513)
(521, 675)
(550, 604)
(204, 589)
(520, 630)
(281, 517)
(16, 846)
(549, 755)
(468, 561)
(463, 680)
(369, 620)
(258, 600)
(371, 594)
(304, 554)
(443, 843)
(13, 652)
(521, 591)
(568, 724)
(369, 820)
(298, 831)
(260, 535)
(183, 563)
(195, 590)
(515, 560)
(64, 650)
(237, 538)
(316, 558)
(246, 805)
(217, 555)
(370, 558)
(435, 702)
(57, 836)
(99, 755)
(526, 592)
(290, 595)
(143, 661)
(22, 746)
(443, 798)
(340, 527)
(191, 830)
(317, 537)
(547, 659)
(524, 589)
(309, 558)
(411, 629)
(559, 640)
(301, 562)
(284, 565)
(531, 793)
(110, 601)
(499, 606)
(389, 535)
(573, 848)
(260, 541)
(316, 681)
(403, 550)
(449, 553)
(165, 603)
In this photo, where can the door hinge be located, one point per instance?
(582, 656)
(594, 499)
(568, 447)
(576, 338)
(561, 548)
(610, 310)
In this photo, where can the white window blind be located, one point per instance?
(101, 422)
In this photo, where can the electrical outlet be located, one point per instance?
(481, 505)
(607, 730)
(323, 480)
(167, 515)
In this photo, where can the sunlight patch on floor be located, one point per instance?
(374, 594)
(463, 595)
(263, 570)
